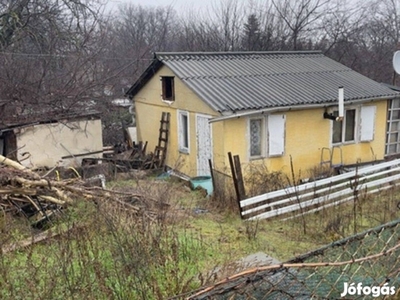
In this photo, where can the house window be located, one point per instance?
(350, 125)
(344, 131)
(183, 131)
(267, 136)
(393, 128)
(167, 87)
(255, 137)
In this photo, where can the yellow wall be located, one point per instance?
(47, 143)
(306, 134)
(149, 107)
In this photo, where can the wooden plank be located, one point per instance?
(50, 233)
(212, 174)
(83, 154)
(239, 177)
(277, 214)
(317, 191)
(381, 181)
(289, 196)
(329, 198)
(369, 181)
(296, 206)
(235, 184)
(336, 203)
(330, 180)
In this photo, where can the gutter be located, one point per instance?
(296, 107)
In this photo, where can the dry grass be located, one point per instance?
(187, 241)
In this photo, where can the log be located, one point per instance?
(20, 185)
(52, 200)
(34, 239)
(18, 191)
(15, 165)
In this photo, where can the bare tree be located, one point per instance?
(196, 33)
(339, 30)
(131, 38)
(228, 20)
(49, 53)
(134, 35)
(299, 16)
(61, 54)
(382, 38)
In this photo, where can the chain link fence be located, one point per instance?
(363, 266)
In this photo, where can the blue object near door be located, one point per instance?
(202, 181)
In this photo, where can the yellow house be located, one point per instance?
(269, 107)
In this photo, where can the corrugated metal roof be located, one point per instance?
(256, 80)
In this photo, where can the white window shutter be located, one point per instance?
(367, 123)
(276, 134)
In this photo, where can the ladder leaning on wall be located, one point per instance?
(160, 150)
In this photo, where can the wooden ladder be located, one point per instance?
(161, 149)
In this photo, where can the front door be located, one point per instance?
(204, 144)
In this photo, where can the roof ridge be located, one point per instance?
(234, 53)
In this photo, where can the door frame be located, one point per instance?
(208, 117)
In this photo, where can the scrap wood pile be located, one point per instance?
(25, 192)
(134, 156)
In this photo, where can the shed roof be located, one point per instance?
(9, 122)
(235, 81)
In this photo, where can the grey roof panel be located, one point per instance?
(256, 80)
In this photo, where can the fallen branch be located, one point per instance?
(13, 164)
(24, 192)
(34, 239)
(52, 200)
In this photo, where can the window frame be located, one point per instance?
(183, 142)
(265, 137)
(356, 127)
(393, 117)
(262, 137)
(167, 88)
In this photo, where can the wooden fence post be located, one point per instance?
(235, 182)
(212, 175)
(239, 177)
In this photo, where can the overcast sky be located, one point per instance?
(179, 5)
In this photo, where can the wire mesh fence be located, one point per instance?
(363, 266)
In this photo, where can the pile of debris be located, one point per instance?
(25, 192)
(130, 155)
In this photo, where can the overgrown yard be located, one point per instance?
(108, 251)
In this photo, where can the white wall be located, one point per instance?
(47, 143)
